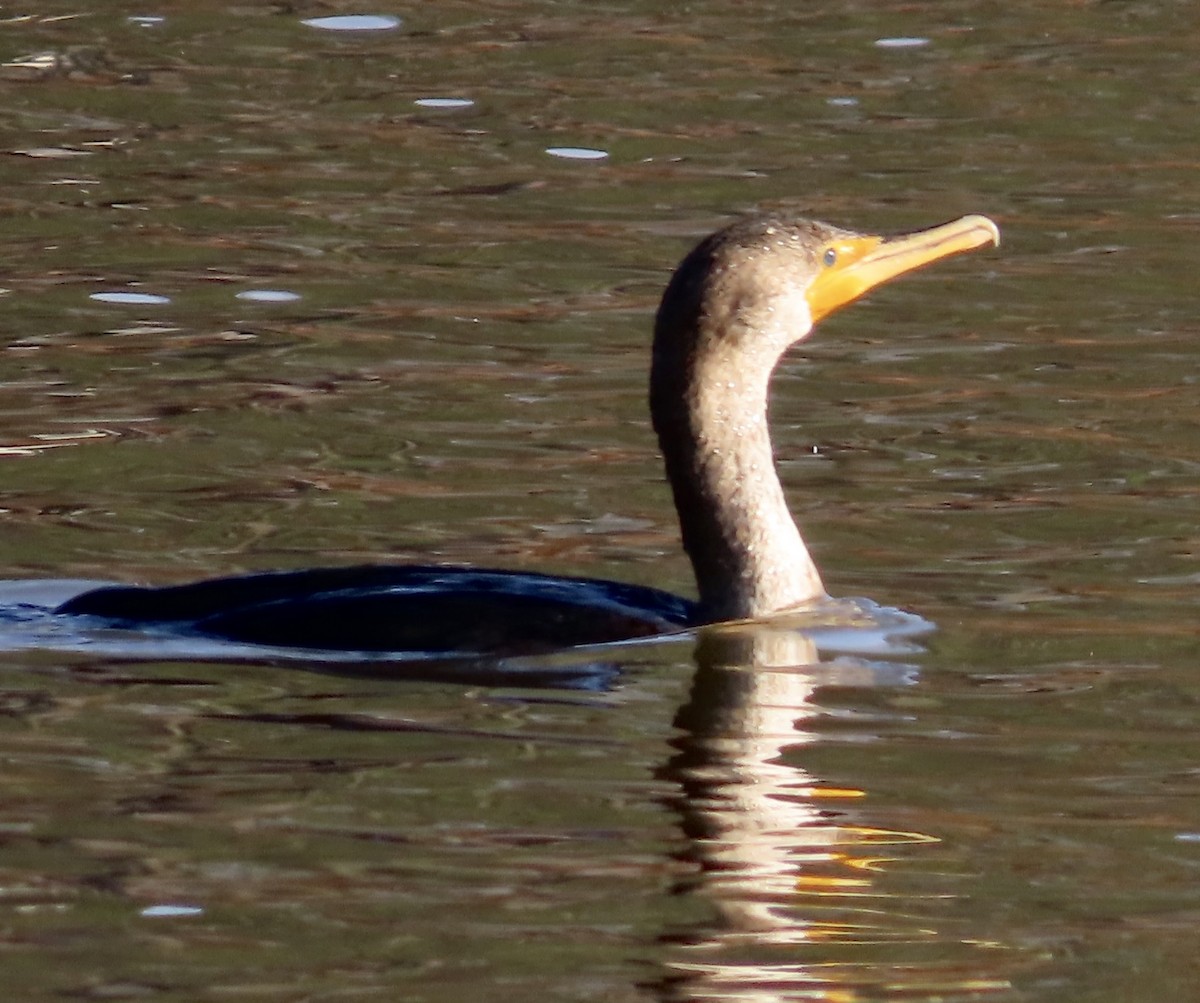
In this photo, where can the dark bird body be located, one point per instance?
(735, 304)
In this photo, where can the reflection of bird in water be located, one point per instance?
(788, 872)
(735, 304)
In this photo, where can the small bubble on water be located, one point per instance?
(444, 102)
(354, 22)
(576, 153)
(268, 296)
(130, 299)
(146, 20)
(903, 42)
(158, 911)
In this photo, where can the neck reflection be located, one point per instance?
(791, 875)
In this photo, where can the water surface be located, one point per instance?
(1004, 445)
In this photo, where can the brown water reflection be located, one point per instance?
(1013, 456)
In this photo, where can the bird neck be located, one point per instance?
(710, 412)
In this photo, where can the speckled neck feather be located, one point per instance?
(732, 309)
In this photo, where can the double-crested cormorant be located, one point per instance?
(736, 303)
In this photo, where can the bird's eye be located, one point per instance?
(830, 257)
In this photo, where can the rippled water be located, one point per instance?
(280, 295)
